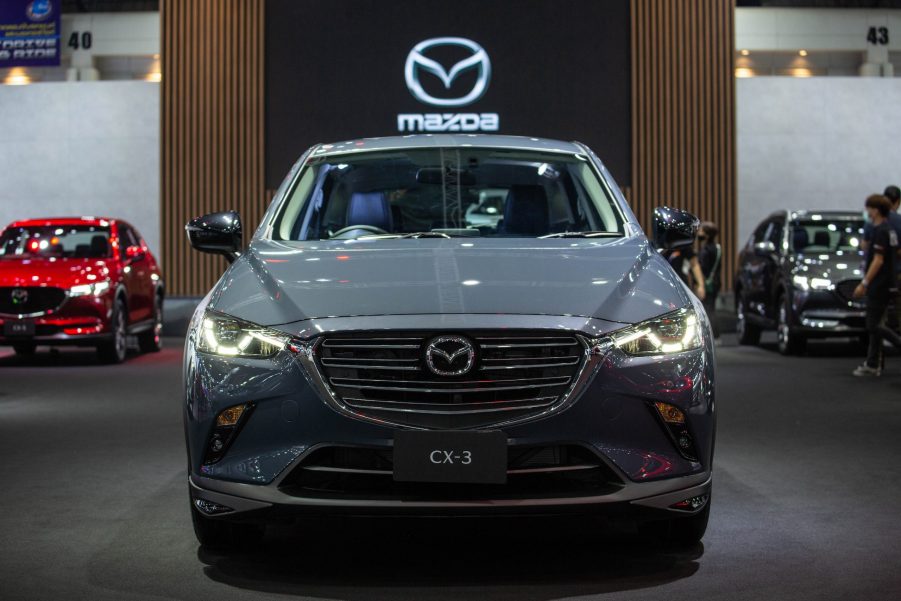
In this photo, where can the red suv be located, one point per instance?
(80, 281)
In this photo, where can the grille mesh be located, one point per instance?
(37, 299)
(845, 289)
(385, 376)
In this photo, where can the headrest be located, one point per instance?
(526, 211)
(370, 208)
(822, 238)
(99, 246)
(800, 239)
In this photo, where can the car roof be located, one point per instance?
(811, 213)
(448, 140)
(46, 221)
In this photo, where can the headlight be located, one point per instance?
(802, 282)
(97, 288)
(671, 333)
(223, 335)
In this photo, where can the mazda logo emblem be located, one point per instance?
(450, 355)
(418, 62)
(19, 296)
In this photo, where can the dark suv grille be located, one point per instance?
(26, 300)
(845, 289)
(514, 375)
(554, 471)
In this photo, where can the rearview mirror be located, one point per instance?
(674, 228)
(217, 233)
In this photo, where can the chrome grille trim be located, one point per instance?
(537, 372)
(349, 383)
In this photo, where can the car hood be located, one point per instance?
(835, 267)
(62, 273)
(620, 280)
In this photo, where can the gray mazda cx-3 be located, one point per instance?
(393, 340)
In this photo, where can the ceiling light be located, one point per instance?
(745, 52)
(17, 77)
(802, 52)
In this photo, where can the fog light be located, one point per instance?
(677, 427)
(669, 413)
(210, 508)
(225, 429)
(230, 416)
(692, 504)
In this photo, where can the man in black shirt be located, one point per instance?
(879, 282)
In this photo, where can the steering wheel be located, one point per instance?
(350, 228)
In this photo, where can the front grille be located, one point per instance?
(845, 290)
(27, 300)
(533, 472)
(386, 377)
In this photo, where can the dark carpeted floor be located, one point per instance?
(807, 498)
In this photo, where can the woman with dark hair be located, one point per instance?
(710, 257)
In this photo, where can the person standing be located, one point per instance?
(710, 259)
(893, 319)
(684, 262)
(878, 283)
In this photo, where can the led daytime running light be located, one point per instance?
(95, 288)
(227, 336)
(672, 333)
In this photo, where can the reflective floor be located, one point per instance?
(806, 502)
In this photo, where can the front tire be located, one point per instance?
(25, 349)
(790, 342)
(114, 351)
(748, 333)
(150, 340)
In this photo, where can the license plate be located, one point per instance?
(448, 456)
(14, 329)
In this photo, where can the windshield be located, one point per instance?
(447, 192)
(64, 241)
(826, 235)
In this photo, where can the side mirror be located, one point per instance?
(765, 248)
(674, 228)
(217, 233)
(134, 254)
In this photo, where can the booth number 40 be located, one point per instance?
(878, 36)
(80, 39)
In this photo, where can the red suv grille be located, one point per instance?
(27, 300)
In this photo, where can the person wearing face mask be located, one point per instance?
(878, 284)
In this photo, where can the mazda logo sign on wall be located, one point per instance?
(417, 62)
(450, 355)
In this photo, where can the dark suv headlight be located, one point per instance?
(671, 333)
(224, 335)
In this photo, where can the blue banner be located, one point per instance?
(29, 33)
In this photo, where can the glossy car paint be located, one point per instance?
(587, 286)
(86, 319)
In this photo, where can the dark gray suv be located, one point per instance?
(381, 347)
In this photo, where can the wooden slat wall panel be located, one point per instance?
(212, 127)
(683, 106)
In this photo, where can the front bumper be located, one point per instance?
(612, 417)
(79, 321)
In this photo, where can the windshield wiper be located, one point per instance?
(399, 236)
(425, 235)
(588, 234)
